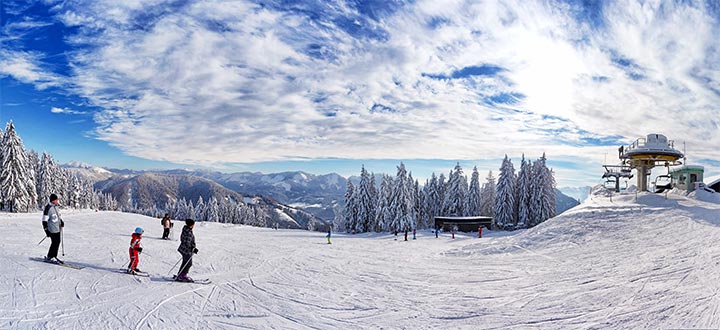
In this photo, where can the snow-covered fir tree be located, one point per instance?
(505, 196)
(441, 190)
(420, 216)
(366, 203)
(17, 181)
(455, 195)
(200, 210)
(487, 196)
(472, 200)
(383, 214)
(522, 192)
(401, 202)
(412, 199)
(543, 193)
(213, 210)
(350, 207)
(73, 193)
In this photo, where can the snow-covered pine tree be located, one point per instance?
(73, 192)
(180, 211)
(505, 196)
(522, 193)
(34, 163)
(412, 199)
(472, 200)
(200, 210)
(213, 210)
(401, 203)
(191, 210)
(455, 194)
(16, 181)
(420, 216)
(383, 213)
(487, 196)
(441, 191)
(365, 203)
(350, 211)
(545, 190)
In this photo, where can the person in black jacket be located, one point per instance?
(187, 249)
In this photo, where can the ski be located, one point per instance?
(64, 264)
(194, 281)
(141, 274)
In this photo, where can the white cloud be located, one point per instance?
(214, 82)
(66, 111)
(26, 67)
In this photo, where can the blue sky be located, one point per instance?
(325, 86)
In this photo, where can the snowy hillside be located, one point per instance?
(608, 263)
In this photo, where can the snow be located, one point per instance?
(620, 263)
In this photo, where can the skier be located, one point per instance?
(53, 224)
(167, 224)
(396, 235)
(414, 233)
(135, 250)
(406, 235)
(437, 230)
(480, 232)
(187, 249)
(454, 229)
(328, 235)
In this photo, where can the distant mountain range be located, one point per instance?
(320, 195)
(579, 193)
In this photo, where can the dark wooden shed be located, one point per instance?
(464, 224)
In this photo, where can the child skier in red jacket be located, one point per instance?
(135, 250)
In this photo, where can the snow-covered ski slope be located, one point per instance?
(620, 264)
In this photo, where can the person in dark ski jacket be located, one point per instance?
(53, 224)
(135, 250)
(187, 249)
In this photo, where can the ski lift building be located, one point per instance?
(685, 176)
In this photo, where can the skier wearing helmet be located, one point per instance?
(135, 250)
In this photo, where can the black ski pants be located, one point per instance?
(186, 264)
(166, 233)
(54, 245)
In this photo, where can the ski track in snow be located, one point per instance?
(620, 264)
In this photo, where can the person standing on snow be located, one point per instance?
(53, 224)
(328, 235)
(167, 224)
(187, 249)
(414, 233)
(135, 250)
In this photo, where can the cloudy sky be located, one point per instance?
(325, 86)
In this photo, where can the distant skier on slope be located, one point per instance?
(53, 224)
(187, 249)
(167, 224)
(329, 235)
(135, 250)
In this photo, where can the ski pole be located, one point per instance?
(186, 264)
(62, 241)
(173, 267)
(43, 240)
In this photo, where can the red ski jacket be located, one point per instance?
(135, 241)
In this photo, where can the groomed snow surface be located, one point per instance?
(649, 263)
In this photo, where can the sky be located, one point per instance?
(327, 86)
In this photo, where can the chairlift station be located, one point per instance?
(641, 156)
